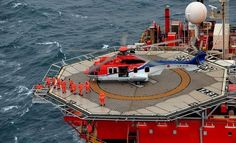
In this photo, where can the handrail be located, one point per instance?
(72, 60)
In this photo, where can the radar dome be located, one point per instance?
(196, 12)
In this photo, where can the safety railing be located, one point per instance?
(55, 68)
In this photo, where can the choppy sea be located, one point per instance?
(37, 33)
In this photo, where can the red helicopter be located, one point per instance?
(126, 66)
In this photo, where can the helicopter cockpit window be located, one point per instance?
(147, 69)
(135, 70)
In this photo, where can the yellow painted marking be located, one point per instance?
(185, 81)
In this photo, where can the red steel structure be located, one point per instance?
(167, 19)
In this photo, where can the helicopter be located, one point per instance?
(127, 66)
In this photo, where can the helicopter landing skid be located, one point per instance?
(137, 84)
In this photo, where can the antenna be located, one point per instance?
(213, 11)
(224, 20)
(222, 14)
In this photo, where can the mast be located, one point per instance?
(202, 1)
(223, 26)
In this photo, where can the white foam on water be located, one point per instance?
(0, 97)
(50, 43)
(79, 16)
(15, 5)
(59, 12)
(16, 139)
(25, 111)
(61, 50)
(22, 93)
(2, 21)
(8, 108)
(9, 64)
(22, 89)
(46, 14)
(105, 46)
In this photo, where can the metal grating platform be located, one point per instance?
(206, 86)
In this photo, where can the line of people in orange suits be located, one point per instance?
(57, 83)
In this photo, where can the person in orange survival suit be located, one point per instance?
(58, 83)
(73, 87)
(87, 87)
(63, 86)
(54, 82)
(39, 86)
(71, 82)
(48, 82)
(89, 130)
(102, 98)
(81, 88)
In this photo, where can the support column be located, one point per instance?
(202, 125)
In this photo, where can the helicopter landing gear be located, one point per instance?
(138, 84)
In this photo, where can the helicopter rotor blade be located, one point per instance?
(95, 67)
(123, 40)
(82, 50)
(162, 43)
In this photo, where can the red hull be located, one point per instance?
(181, 131)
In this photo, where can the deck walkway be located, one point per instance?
(171, 92)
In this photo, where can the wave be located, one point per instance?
(12, 68)
(79, 16)
(51, 46)
(15, 5)
(2, 55)
(61, 54)
(7, 108)
(9, 64)
(16, 139)
(22, 89)
(59, 12)
(2, 62)
(24, 111)
(50, 43)
(2, 21)
(104, 46)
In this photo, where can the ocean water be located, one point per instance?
(37, 33)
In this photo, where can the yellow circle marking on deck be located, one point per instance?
(185, 81)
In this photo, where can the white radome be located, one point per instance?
(196, 12)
